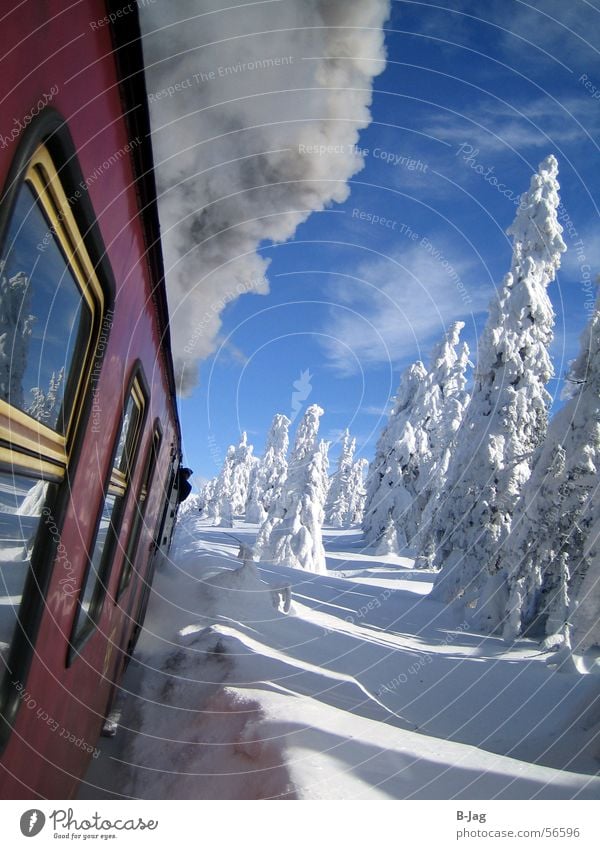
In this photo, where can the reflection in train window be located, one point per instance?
(93, 592)
(102, 537)
(21, 503)
(41, 316)
(51, 308)
(127, 435)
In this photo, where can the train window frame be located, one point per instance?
(46, 151)
(118, 485)
(27, 445)
(149, 470)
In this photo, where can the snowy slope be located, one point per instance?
(366, 689)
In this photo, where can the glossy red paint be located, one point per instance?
(68, 47)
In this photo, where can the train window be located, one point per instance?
(41, 319)
(21, 503)
(49, 294)
(93, 590)
(140, 510)
(51, 307)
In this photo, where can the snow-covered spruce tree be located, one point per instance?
(386, 499)
(291, 534)
(16, 325)
(552, 552)
(45, 404)
(190, 506)
(206, 496)
(270, 472)
(337, 506)
(388, 541)
(244, 462)
(221, 504)
(324, 447)
(506, 419)
(33, 502)
(415, 445)
(358, 493)
(585, 616)
(437, 413)
(254, 511)
(227, 497)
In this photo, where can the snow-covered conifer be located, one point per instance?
(358, 493)
(270, 472)
(244, 462)
(206, 497)
(16, 325)
(337, 506)
(324, 447)
(585, 615)
(389, 541)
(221, 505)
(33, 502)
(291, 534)
(228, 495)
(44, 406)
(191, 505)
(436, 415)
(412, 453)
(506, 419)
(552, 553)
(386, 498)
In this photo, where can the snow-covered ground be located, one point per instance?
(365, 689)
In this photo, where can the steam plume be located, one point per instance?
(239, 98)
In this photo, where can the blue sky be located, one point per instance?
(367, 286)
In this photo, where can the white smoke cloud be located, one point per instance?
(238, 95)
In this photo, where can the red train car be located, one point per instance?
(89, 434)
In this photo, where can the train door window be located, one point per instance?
(93, 591)
(51, 306)
(140, 508)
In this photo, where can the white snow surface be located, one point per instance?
(365, 690)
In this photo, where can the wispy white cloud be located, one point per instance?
(498, 128)
(375, 410)
(228, 352)
(545, 34)
(394, 308)
(569, 32)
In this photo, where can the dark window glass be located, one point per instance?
(106, 530)
(140, 511)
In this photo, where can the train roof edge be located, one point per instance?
(129, 59)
